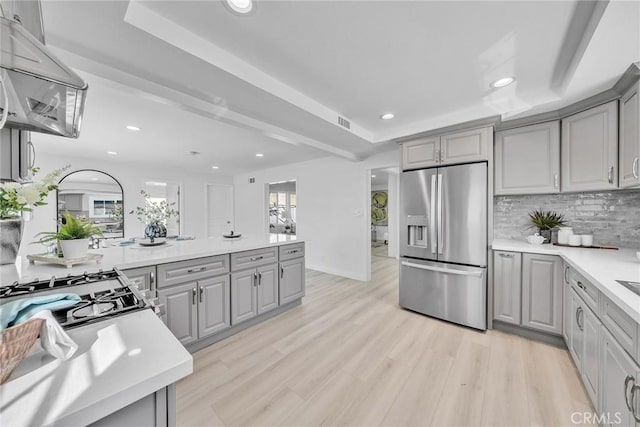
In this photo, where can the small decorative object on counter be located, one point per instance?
(73, 235)
(154, 215)
(545, 221)
(16, 198)
(563, 235)
(536, 239)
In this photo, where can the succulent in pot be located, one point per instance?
(73, 236)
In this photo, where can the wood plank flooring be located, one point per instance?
(349, 356)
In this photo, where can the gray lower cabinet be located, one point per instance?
(143, 277)
(591, 354)
(542, 293)
(254, 292)
(154, 410)
(618, 377)
(630, 138)
(292, 284)
(197, 309)
(507, 271)
(575, 342)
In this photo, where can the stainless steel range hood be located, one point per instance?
(43, 94)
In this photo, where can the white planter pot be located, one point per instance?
(72, 249)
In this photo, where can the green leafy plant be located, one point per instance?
(71, 228)
(545, 220)
(154, 212)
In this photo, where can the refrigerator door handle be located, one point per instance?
(432, 224)
(440, 226)
(443, 270)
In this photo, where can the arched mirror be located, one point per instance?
(94, 195)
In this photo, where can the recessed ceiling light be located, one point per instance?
(215, 167)
(387, 116)
(505, 81)
(134, 128)
(259, 155)
(242, 7)
(373, 176)
(193, 153)
(113, 153)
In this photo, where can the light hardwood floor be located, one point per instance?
(349, 356)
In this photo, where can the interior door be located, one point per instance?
(219, 209)
(418, 237)
(462, 214)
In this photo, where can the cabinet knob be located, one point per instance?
(611, 175)
(555, 180)
(628, 380)
(193, 295)
(634, 168)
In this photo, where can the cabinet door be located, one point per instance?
(292, 284)
(421, 153)
(467, 146)
(267, 288)
(542, 293)
(507, 285)
(244, 302)
(566, 303)
(630, 137)
(181, 311)
(214, 308)
(591, 354)
(576, 329)
(143, 277)
(527, 160)
(590, 149)
(617, 369)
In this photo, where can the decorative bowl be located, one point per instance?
(536, 239)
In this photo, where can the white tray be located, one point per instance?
(67, 262)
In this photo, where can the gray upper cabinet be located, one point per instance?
(618, 375)
(527, 160)
(507, 269)
(181, 311)
(214, 311)
(244, 298)
(590, 149)
(292, 284)
(267, 288)
(458, 147)
(421, 153)
(630, 137)
(542, 293)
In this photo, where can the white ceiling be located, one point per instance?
(196, 77)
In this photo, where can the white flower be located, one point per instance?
(22, 200)
(10, 186)
(31, 195)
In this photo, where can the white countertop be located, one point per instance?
(119, 361)
(135, 255)
(602, 267)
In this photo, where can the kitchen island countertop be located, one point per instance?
(118, 362)
(602, 267)
(134, 255)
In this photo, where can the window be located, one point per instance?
(103, 207)
(282, 207)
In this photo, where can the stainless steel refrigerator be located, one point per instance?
(443, 243)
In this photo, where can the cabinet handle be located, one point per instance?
(259, 279)
(256, 258)
(555, 180)
(635, 388)
(201, 293)
(579, 311)
(292, 251)
(626, 387)
(196, 270)
(581, 286)
(611, 175)
(5, 107)
(505, 255)
(193, 295)
(32, 154)
(634, 168)
(255, 279)
(566, 274)
(281, 272)
(152, 281)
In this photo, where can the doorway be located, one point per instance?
(384, 212)
(283, 207)
(219, 206)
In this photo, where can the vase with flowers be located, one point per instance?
(154, 214)
(16, 198)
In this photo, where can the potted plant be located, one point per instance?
(72, 236)
(545, 221)
(16, 198)
(154, 215)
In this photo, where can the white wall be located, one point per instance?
(132, 177)
(333, 209)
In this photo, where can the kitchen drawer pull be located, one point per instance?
(626, 387)
(293, 251)
(635, 388)
(566, 274)
(259, 279)
(634, 168)
(193, 295)
(579, 311)
(581, 286)
(201, 293)
(256, 258)
(196, 270)
(281, 272)
(611, 175)
(505, 255)
(443, 270)
(152, 281)
(255, 279)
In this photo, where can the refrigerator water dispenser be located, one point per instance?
(417, 230)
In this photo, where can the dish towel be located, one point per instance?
(53, 339)
(18, 311)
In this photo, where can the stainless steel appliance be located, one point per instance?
(103, 295)
(443, 243)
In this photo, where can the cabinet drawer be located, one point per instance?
(194, 269)
(622, 327)
(252, 259)
(295, 250)
(585, 289)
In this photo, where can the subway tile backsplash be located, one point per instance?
(612, 217)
